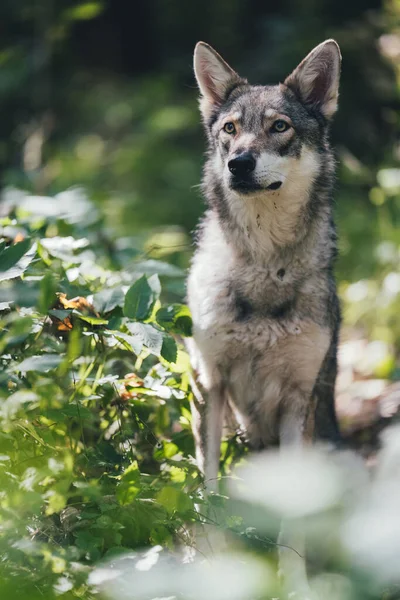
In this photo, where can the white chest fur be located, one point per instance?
(220, 337)
(258, 358)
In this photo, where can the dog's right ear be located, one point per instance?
(214, 76)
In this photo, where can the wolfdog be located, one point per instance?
(261, 287)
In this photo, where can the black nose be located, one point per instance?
(242, 165)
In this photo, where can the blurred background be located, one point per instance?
(102, 94)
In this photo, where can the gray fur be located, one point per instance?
(261, 286)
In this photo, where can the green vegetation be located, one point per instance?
(94, 398)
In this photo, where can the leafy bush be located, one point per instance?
(95, 439)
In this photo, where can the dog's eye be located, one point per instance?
(229, 128)
(280, 126)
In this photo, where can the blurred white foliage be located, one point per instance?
(375, 353)
(371, 533)
(73, 205)
(345, 508)
(387, 252)
(292, 484)
(391, 285)
(332, 586)
(389, 179)
(389, 45)
(156, 574)
(358, 291)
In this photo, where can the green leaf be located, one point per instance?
(131, 473)
(86, 541)
(169, 350)
(13, 403)
(141, 297)
(56, 502)
(41, 363)
(47, 296)
(160, 535)
(30, 430)
(11, 255)
(174, 500)
(108, 299)
(15, 259)
(60, 313)
(175, 318)
(129, 486)
(64, 248)
(130, 342)
(148, 336)
(70, 410)
(89, 319)
(83, 12)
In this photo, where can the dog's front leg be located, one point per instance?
(296, 431)
(207, 423)
(215, 407)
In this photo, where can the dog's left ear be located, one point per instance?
(316, 80)
(214, 77)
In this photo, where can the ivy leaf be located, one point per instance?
(141, 297)
(175, 318)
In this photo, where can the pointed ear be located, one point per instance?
(214, 77)
(316, 80)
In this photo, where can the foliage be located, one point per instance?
(95, 436)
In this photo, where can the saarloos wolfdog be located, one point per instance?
(261, 287)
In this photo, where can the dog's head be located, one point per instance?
(264, 136)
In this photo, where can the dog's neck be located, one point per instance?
(259, 226)
(262, 227)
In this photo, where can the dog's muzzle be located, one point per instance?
(242, 168)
